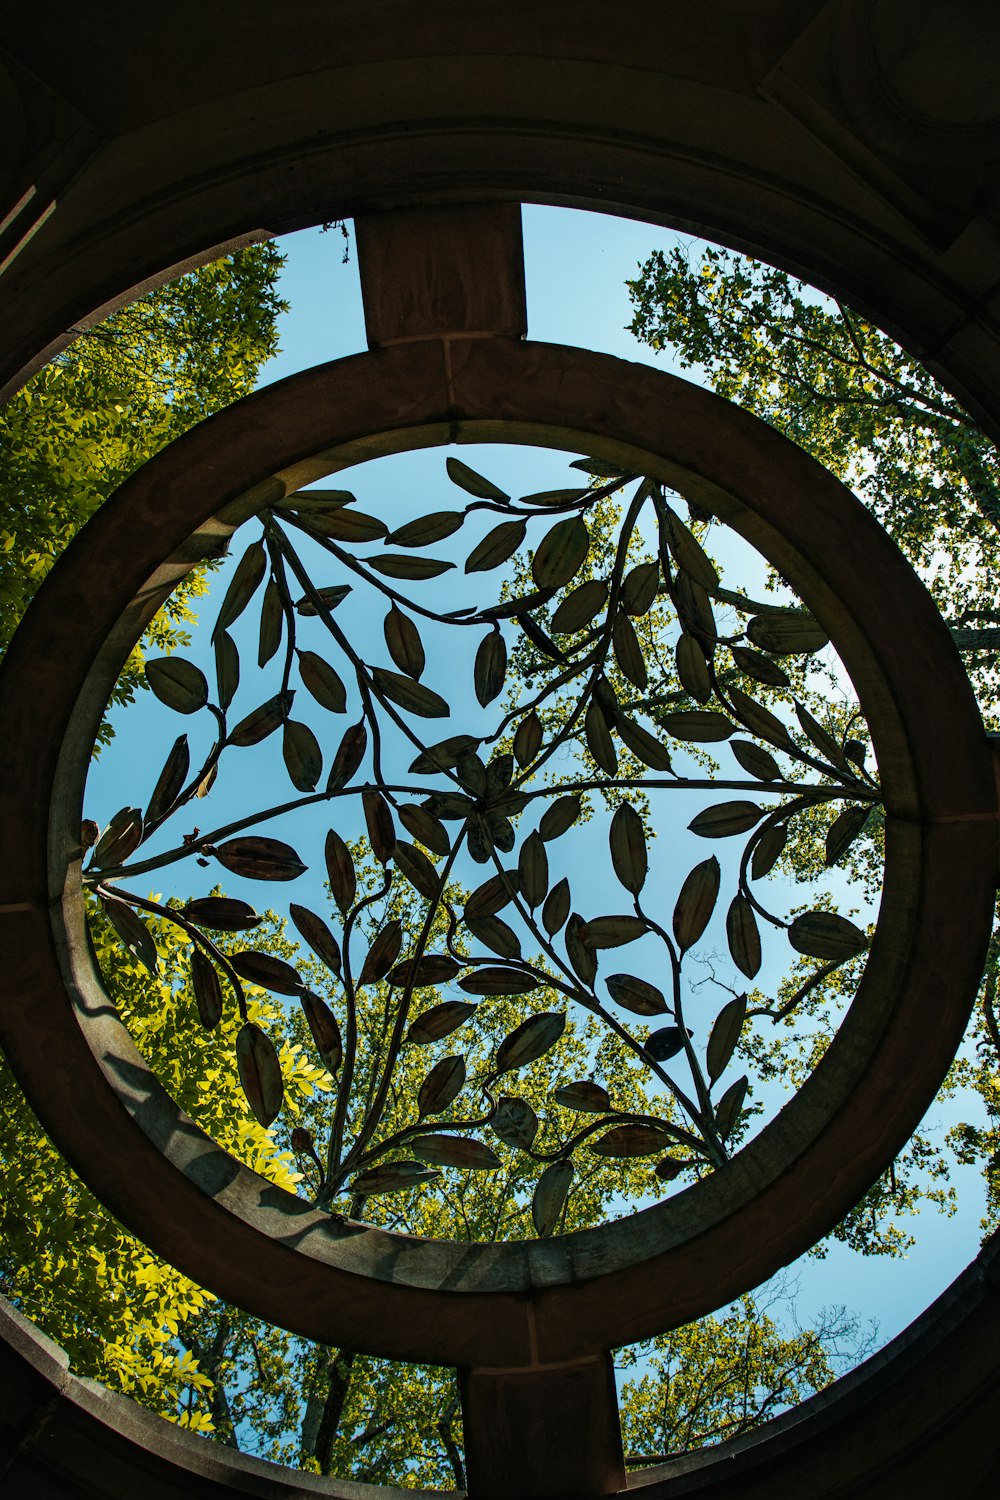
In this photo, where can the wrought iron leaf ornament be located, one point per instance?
(501, 955)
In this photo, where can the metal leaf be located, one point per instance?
(340, 871)
(562, 814)
(697, 724)
(584, 1096)
(694, 609)
(381, 829)
(260, 1072)
(530, 1041)
(304, 502)
(428, 969)
(665, 1043)
(729, 1107)
(417, 868)
(177, 683)
(318, 935)
(844, 829)
(133, 932)
(454, 1151)
(758, 761)
(350, 754)
(555, 497)
(628, 848)
(599, 741)
(642, 744)
(392, 1177)
(473, 483)
(269, 972)
(346, 525)
(743, 937)
(826, 935)
(442, 1086)
(639, 588)
(580, 606)
(494, 933)
(263, 721)
(207, 989)
(382, 954)
(243, 585)
(413, 696)
(501, 832)
(822, 739)
(561, 553)
(121, 838)
(494, 980)
(302, 755)
(690, 554)
(260, 859)
(556, 908)
(725, 1036)
(696, 903)
(630, 1140)
(427, 529)
(398, 565)
(440, 1021)
(790, 634)
(425, 828)
(222, 913)
(612, 932)
(329, 597)
(515, 1122)
(325, 1031)
(636, 995)
(628, 652)
(499, 774)
(528, 739)
(170, 781)
(271, 623)
(692, 669)
(496, 547)
(325, 685)
(549, 1197)
(760, 668)
(768, 850)
(491, 667)
(725, 819)
(444, 755)
(227, 668)
(403, 641)
(759, 719)
(580, 956)
(493, 895)
(533, 870)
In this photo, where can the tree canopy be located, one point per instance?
(117, 395)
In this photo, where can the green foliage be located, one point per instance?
(720, 1377)
(835, 384)
(840, 388)
(116, 1308)
(121, 392)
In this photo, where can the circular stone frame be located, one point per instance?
(525, 1303)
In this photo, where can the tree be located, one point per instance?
(77, 430)
(834, 383)
(119, 393)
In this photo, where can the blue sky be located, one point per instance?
(576, 268)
